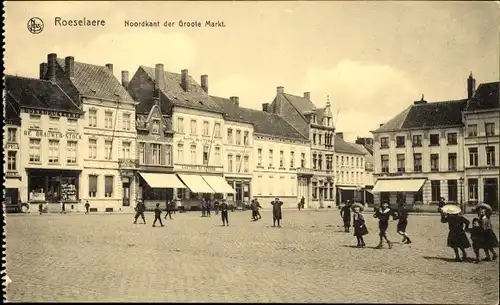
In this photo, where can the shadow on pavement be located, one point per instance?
(448, 259)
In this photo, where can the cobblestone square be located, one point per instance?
(107, 258)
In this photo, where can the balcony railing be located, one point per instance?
(125, 163)
(201, 168)
(303, 171)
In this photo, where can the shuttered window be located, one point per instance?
(92, 186)
(108, 186)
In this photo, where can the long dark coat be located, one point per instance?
(489, 237)
(358, 222)
(345, 213)
(457, 224)
(277, 209)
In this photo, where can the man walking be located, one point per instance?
(203, 205)
(63, 207)
(302, 203)
(157, 215)
(208, 207)
(277, 203)
(216, 206)
(168, 210)
(224, 213)
(256, 206)
(87, 207)
(345, 213)
(139, 209)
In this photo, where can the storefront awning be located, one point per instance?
(219, 184)
(398, 185)
(347, 188)
(196, 184)
(155, 180)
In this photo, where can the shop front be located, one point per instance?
(239, 191)
(197, 188)
(394, 191)
(158, 188)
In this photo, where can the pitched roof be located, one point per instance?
(12, 111)
(195, 98)
(485, 97)
(367, 153)
(302, 104)
(96, 81)
(263, 122)
(344, 147)
(427, 115)
(39, 94)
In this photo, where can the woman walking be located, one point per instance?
(358, 222)
(457, 224)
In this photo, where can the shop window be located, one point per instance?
(108, 186)
(12, 161)
(71, 152)
(92, 186)
(160, 194)
(401, 197)
(69, 191)
(418, 196)
(35, 150)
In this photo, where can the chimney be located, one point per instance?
(43, 70)
(471, 86)
(422, 101)
(307, 95)
(380, 125)
(125, 80)
(265, 107)
(280, 90)
(235, 100)
(204, 83)
(158, 79)
(340, 135)
(110, 67)
(184, 80)
(51, 67)
(69, 66)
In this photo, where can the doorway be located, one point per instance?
(126, 194)
(491, 192)
(239, 192)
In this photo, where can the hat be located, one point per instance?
(451, 209)
(357, 204)
(484, 206)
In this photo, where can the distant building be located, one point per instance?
(366, 145)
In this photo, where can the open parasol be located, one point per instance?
(357, 204)
(451, 209)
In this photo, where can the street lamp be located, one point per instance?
(462, 193)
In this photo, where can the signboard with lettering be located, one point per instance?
(12, 146)
(197, 139)
(52, 134)
(51, 113)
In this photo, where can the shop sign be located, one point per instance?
(198, 140)
(53, 134)
(12, 146)
(51, 113)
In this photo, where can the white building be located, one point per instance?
(366, 145)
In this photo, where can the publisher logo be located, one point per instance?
(35, 25)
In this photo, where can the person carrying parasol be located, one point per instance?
(457, 224)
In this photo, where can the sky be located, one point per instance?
(373, 59)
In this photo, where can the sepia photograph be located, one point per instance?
(251, 151)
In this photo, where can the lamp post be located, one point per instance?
(462, 194)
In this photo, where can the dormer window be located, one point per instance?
(155, 129)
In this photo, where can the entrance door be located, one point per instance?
(491, 192)
(126, 194)
(239, 192)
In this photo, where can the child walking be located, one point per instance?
(345, 213)
(456, 235)
(224, 213)
(157, 215)
(490, 239)
(477, 237)
(402, 217)
(358, 222)
(383, 214)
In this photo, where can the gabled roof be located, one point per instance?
(302, 104)
(367, 153)
(427, 115)
(143, 119)
(195, 98)
(97, 81)
(39, 94)
(485, 98)
(231, 111)
(344, 147)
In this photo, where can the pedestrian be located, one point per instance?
(402, 217)
(358, 222)
(277, 215)
(253, 207)
(224, 213)
(257, 209)
(208, 207)
(441, 204)
(490, 239)
(383, 214)
(157, 215)
(168, 210)
(139, 211)
(203, 207)
(477, 237)
(87, 207)
(63, 207)
(302, 202)
(345, 213)
(457, 224)
(216, 206)
(40, 208)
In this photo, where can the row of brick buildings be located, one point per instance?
(444, 149)
(77, 133)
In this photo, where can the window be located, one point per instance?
(452, 161)
(193, 154)
(193, 126)
(490, 155)
(246, 164)
(282, 159)
(385, 163)
(54, 123)
(352, 161)
(472, 130)
(384, 142)
(217, 130)
(92, 186)
(108, 120)
(319, 139)
(320, 161)
(436, 190)
(400, 141)
(314, 161)
(473, 156)
(71, 152)
(357, 163)
(337, 160)
(329, 162)
(180, 125)
(417, 140)
(155, 154)
(245, 138)
(385, 197)
(472, 188)
(35, 121)
(12, 135)
(238, 163)
(489, 129)
(72, 125)
(108, 186)
(230, 136)
(271, 159)
(126, 150)
(180, 153)
(452, 190)
(315, 190)
(230, 163)
(12, 161)
(107, 150)
(217, 155)
(452, 138)
(168, 154)
(155, 128)
(206, 127)
(238, 137)
(53, 151)
(342, 161)
(401, 163)
(92, 149)
(259, 157)
(205, 155)
(302, 160)
(348, 178)
(314, 138)
(292, 159)
(126, 121)
(434, 140)
(142, 153)
(271, 178)
(92, 117)
(434, 162)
